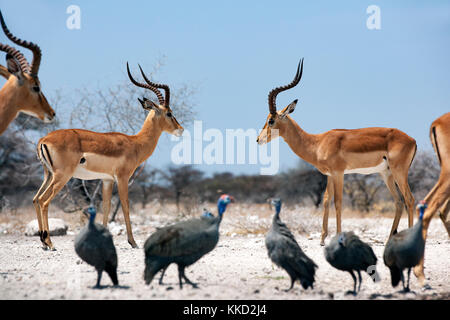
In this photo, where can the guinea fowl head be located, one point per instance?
(421, 206)
(276, 202)
(207, 214)
(341, 239)
(91, 212)
(224, 200)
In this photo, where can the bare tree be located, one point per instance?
(423, 174)
(362, 190)
(180, 179)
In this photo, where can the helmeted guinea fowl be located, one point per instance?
(347, 252)
(285, 252)
(206, 214)
(183, 243)
(404, 250)
(94, 245)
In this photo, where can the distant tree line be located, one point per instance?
(188, 187)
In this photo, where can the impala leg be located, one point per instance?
(107, 189)
(58, 181)
(390, 184)
(338, 190)
(326, 209)
(122, 186)
(401, 178)
(437, 197)
(47, 178)
(443, 213)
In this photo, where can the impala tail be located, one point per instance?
(44, 156)
(434, 143)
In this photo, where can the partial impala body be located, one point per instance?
(438, 199)
(112, 157)
(387, 151)
(22, 90)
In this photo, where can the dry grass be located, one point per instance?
(240, 219)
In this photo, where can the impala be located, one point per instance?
(438, 199)
(112, 157)
(22, 90)
(334, 153)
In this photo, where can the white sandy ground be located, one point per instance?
(238, 268)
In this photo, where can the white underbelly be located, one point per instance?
(82, 173)
(369, 170)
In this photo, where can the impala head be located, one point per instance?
(162, 110)
(22, 78)
(277, 119)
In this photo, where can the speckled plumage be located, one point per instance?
(285, 252)
(404, 251)
(94, 245)
(347, 252)
(182, 243)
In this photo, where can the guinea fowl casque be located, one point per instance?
(347, 252)
(285, 252)
(94, 245)
(183, 243)
(404, 250)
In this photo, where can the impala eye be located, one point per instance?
(169, 114)
(36, 89)
(271, 122)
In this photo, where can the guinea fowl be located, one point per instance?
(94, 245)
(347, 252)
(285, 252)
(404, 250)
(206, 214)
(182, 243)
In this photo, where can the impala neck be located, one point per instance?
(148, 137)
(301, 142)
(8, 106)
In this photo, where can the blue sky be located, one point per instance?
(235, 52)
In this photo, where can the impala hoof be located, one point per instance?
(133, 244)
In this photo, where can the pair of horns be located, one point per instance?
(152, 86)
(24, 65)
(273, 94)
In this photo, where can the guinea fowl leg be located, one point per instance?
(162, 275)
(407, 283)
(99, 277)
(182, 275)
(360, 280)
(354, 284)
(292, 285)
(403, 283)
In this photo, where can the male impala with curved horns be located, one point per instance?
(110, 156)
(438, 199)
(337, 152)
(22, 90)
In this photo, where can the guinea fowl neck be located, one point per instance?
(422, 211)
(221, 207)
(92, 219)
(276, 217)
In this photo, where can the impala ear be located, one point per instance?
(289, 109)
(14, 67)
(149, 105)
